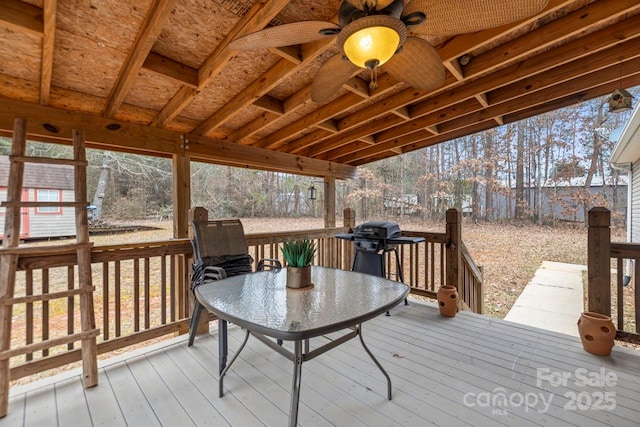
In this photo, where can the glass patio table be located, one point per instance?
(263, 305)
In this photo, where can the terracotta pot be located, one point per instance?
(298, 277)
(597, 332)
(448, 300)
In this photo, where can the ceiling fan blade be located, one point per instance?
(450, 17)
(286, 35)
(418, 65)
(331, 76)
(379, 4)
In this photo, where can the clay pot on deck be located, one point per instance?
(597, 332)
(448, 300)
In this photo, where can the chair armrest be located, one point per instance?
(207, 274)
(268, 264)
(212, 273)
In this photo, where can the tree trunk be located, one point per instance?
(489, 179)
(519, 208)
(98, 197)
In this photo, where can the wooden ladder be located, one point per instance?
(11, 251)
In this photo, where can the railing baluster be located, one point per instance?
(147, 295)
(105, 300)
(29, 311)
(172, 287)
(45, 310)
(70, 305)
(636, 299)
(163, 289)
(136, 294)
(118, 301)
(620, 296)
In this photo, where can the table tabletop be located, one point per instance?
(262, 303)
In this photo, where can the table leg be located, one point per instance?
(222, 345)
(295, 392)
(359, 328)
(224, 370)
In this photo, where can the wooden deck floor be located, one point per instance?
(467, 370)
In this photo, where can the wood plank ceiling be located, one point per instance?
(156, 76)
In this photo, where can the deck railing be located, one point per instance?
(607, 293)
(142, 293)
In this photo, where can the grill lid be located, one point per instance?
(377, 230)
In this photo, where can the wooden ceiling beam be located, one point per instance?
(562, 88)
(260, 14)
(249, 95)
(329, 125)
(524, 87)
(454, 68)
(464, 43)
(103, 132)
(48, 39)
(567, 27)
(451, 50)
(270, 104)
(424, 138)
(253, 126)
(231, 153)
(358, 86)
(466, 107)
(332, 109)
(527, 91)
(410, 96)
(567, 101)
(153, 23)
(22, 16)
(288, 105)
(573, 50)
(290, 53)
(508, 110)
(171, 69)
(328, 144)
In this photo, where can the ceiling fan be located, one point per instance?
(375, 33)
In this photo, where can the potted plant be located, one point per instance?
(298, 254)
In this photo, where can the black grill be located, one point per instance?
(372, 240)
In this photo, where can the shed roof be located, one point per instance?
(157, 76)
(39, 175)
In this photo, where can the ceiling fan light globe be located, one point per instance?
(371, 44)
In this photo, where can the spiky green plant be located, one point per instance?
(298, 253)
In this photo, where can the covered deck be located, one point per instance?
(466, 370)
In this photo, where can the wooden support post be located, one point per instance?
(599, 261)
(198, 214)
(9, 262)
(181, 205)
(330, 258)
(349, 220)
(329, 202)
(89, 348)
(453, 248)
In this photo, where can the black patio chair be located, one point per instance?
(219, 250)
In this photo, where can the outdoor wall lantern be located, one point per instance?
(313, 191)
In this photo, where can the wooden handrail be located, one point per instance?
(153, 265)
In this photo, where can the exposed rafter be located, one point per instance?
(48, 39)
(150, 31)
(262, 12)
